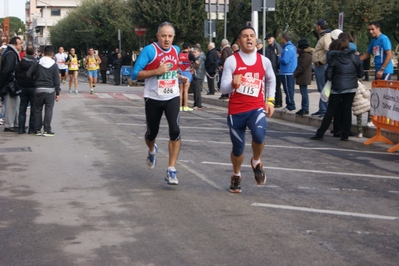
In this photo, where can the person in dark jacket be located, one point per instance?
(273, 51)
(103, 68)
(9, 61)
(303, 74)
(211, 64)
(198, 77)
(226, 52)
(27, 84)
(47, 89)
(344, 68)
(116, 67)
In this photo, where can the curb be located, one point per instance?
(368, 132)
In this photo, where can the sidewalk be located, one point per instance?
(315, 121)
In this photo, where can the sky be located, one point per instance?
(16, 8)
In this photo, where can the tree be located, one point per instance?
(187, 16)
(358, 13)
(297, 17)
(95, 23)
(17, 26)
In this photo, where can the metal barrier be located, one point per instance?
(384, 110)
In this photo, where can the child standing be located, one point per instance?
(361, 105)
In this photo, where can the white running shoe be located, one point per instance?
(152, 158)
(171, 177)
(370, 124)
(360, 135)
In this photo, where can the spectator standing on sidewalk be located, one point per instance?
(226, 52)
(319, 59)
(27, 84)
(47, 89)
(9, 61)
(288, 64)
(116, 68)
(157, 65)
(235, 48)
(344, 68)
(211, 65)
(198, 77)
(185, 61)
(273, 51)
(303, 74)
(103, 68)
(245, 75)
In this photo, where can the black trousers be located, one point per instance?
(211, 83)
(117, 76)
(103, 76)
(338, 103)
(47, 100)
(27, 96)
(279, 96)
(197, 87)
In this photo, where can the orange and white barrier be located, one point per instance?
(384, 103)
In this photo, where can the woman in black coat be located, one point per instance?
(116, 66)
(344, 68)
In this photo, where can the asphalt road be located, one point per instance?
(86, 196)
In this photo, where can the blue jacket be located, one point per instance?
(288, 59)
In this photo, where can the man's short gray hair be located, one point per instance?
(211, 44)
(225, 42)
(166, 24)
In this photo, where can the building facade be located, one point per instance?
(40, 16)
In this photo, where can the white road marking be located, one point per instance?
(103, 95)
(267, 145)
(354, 214)
(132, 96)
(311, 171)
(392, 191)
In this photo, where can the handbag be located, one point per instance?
(13, 88)
(325, 93)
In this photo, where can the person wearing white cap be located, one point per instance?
(335, 34)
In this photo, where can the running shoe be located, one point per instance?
(76, 92)
(186, 108)
(91, 91)
(48, 134)
(152, 158)
(181, 108)
(1, 121)
(171, 177)
(38, 133)
(69, 91)
(235, 186)
(260, 176)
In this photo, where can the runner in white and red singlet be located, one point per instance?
(186, 58)
(247, 75)
(157, 64)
